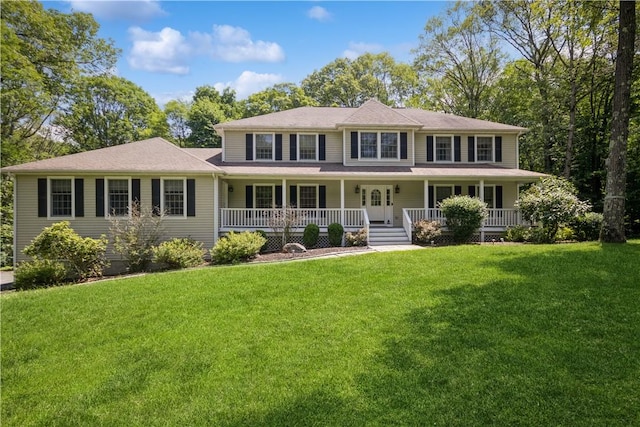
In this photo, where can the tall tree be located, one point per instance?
(43, 54)
(279, 97)
(177, 113)
(208, 108)
(459, 61)
(613, 224)
(110, 110)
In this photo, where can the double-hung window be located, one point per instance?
(379, 145)
(484, 148)
(174, 196)
(264, 146)
(61, 197)
(443, 193)
(264, 197)
(307, 147)
(308, 196)
(444, 148)
(489, 195)
(118, 196)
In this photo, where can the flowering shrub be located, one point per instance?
(425, 231)
(236, 247)
(464, 216)
(359, 238)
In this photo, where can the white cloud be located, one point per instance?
(234, 44)
(166, 51)
(139, 10)
(164, 97)
(250, 82)
(357, 49)
(319, 14)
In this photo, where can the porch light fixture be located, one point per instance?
(357, 189)
(397, 189)
(231, 189)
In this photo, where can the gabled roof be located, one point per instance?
(155, 155)
(372, 113)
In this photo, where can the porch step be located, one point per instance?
(379, 236)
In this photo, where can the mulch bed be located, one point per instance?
(311, 253)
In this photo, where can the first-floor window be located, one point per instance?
(443, 149)
(264, 196)
(307, 147)
(443, 193)
(61, 197)
(489, 195)
(118, 196)
(308, 197)
(264, 146)
(484, 148)
(174, 196)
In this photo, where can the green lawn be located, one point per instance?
(468, 335)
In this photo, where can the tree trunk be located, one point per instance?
(613, 225)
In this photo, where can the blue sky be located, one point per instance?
(171, 47)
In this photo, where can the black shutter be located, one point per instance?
(249, 146)
(471, 145)
(79, 208)
(457, 190)
(293, 147)
(293, 195)
(99, 197)
(322, 196)
(278, 146)
(191, 197)
(432, 197)
(322, 147)
(278, 196)
(429, 148)
(135, 191)
(498, 149)
(42, 197)
(498, 196)
(472, 191)
(248, 200)
(403, 145)
(457, 156)
(354, 145)
(155, 195)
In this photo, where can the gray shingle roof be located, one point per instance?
(155, 155)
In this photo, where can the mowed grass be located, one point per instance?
(468, 336)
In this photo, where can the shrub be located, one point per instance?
(359, 238)
(39, 273)
(236, 247)
(517, 233)
(464, 216)
(564, 234)
(424, 231)
(179, 253)
(83, 257)
(135, 236)
(587, 226)
(264, 247)
(310, 235)
(336, 232)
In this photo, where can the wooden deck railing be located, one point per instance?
(240, 218)
(497, 217)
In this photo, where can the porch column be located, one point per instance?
(342, 202)
(426, 198)
(284, 194)
(481, 195)
(216, 209)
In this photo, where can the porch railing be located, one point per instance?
(496, 217)
(239, 218)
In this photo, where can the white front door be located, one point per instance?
(378, 201)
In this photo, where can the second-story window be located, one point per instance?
(264, 146)
(484, 148)
(368, 145)
(444, 148)
(379, 145)
(389, 145)
(308, 147)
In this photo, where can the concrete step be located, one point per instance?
(388, 236)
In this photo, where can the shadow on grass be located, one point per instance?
(554, 343)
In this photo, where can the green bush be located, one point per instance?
(264, 247)
(464, 216)
(359, 238)
(179, 253)
(83, 257)
(310, 235)
(587, 226)
(517, 233)
(39, 273)
(564, 234)
(236, 247)
(335, 234)
(425, 231)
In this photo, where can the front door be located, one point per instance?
(378, 201)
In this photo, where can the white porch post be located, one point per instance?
(342, 202)
(482, 198)
(284, 194)
(216, 209)
(426, 197)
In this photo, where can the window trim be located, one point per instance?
(379, 157)
(50, 215)
(298, 198)
(493, 148)
(255, 147)
(107, 208)
(184, 196)
(317, 146)
(255, 195)
(451, 148)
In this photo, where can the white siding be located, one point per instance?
(509, 153)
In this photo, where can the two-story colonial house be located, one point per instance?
(371, 167)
